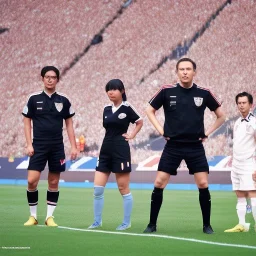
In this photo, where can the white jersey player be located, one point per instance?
(244, 164)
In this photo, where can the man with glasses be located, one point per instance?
(47, 110)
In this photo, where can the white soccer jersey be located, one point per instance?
(244, 139)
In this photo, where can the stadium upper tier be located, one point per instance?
(135, 40)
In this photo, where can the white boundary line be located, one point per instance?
(14, 248)
(161, 236)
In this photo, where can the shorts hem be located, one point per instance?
(198, 171)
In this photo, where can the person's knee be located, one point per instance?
(159, 183)
(124, 189)
(98, 191)
(32, 184)
(203, 183)
(53, 183)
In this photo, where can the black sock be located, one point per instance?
(32, 197)
(156, 202)
(205, 203)
(52, 197)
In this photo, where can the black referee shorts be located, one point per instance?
(114, 157)
(52, 153)
(192, 153)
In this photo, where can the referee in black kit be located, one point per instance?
(46, 110)
(184, 105)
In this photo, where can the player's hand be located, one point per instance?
(73, 153)
(30, 150)
(254, 176)
(127, 136)
(166, 138)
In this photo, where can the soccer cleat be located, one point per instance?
(95, 224)
(150, 228)
(208, 230)
(123, 226)
(50, 222)
(239, 228)
(31, 221)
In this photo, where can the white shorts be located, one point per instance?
(241, 177)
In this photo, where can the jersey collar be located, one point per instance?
(247, 118)
(114, 109)
(193, 85)
(49, 95)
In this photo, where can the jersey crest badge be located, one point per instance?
(198, 101)
(122, 116)
(59, 106)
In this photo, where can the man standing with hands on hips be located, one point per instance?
(184, 104)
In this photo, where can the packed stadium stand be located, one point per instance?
(132, 40)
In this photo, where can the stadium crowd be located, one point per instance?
(57, 33)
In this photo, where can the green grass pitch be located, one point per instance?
(179, 220)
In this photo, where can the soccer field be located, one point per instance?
(179, 225)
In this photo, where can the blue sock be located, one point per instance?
(98, 202)
(128, 202)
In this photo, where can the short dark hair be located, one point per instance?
(50, 68)
(116, 84)
(186, 59)
(244, 94)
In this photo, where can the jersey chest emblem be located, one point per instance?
(198, 101)
(122, 116)
(59, 106)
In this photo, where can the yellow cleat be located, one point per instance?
(50, 222)
(31, 221)
(239, 228)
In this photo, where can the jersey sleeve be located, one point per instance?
(212, 103)
(157, 100)
(28, 110)
(68, 110)
(134, 116)
(254, 127)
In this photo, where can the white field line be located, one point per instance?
(160, 236)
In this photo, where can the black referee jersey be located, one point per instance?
(184, 111)
(47, 113)
(117, 123)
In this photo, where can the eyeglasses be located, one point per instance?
(50, 77)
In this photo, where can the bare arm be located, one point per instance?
(27, 130)
(135, 131)
(218, 122)
(71, 136)
(151, 114)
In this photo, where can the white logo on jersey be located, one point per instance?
(122, 116)
(198, 101)
(59, 106)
